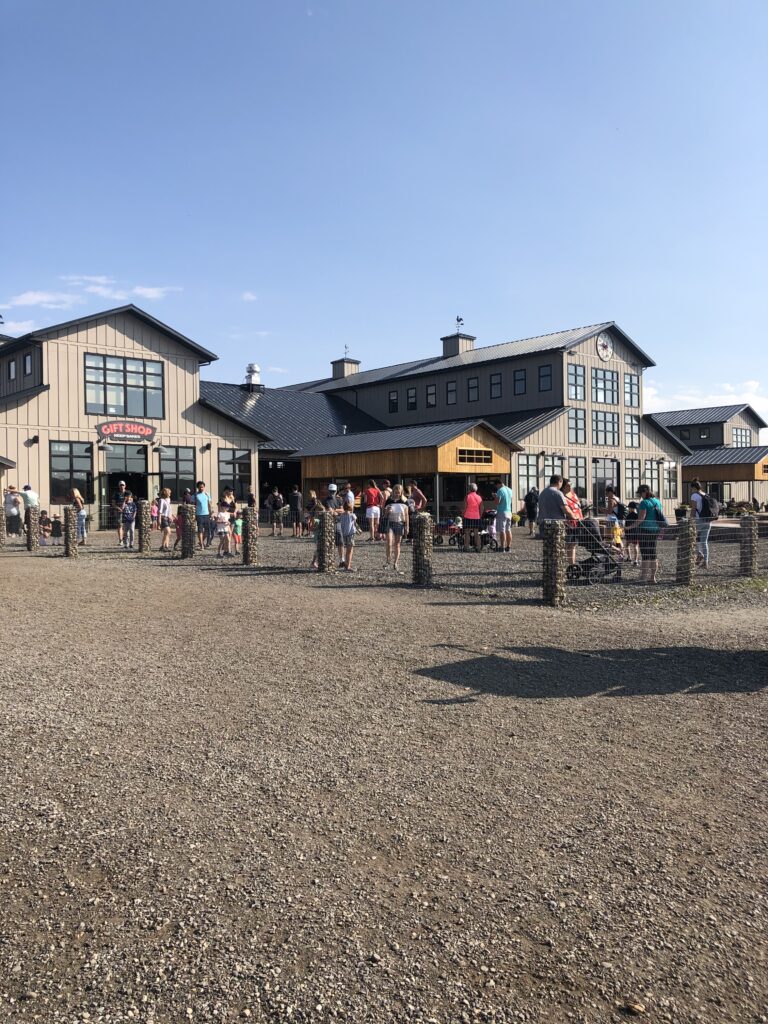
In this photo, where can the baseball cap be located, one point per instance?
(27, 487)
(332, 487)
(121, 483)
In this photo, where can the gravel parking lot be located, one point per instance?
(235, 794)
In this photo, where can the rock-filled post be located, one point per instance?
(748, 545)
(326, 538)
(423, 533)
(250, 536)
(686, 552)
(70, 532)
(144, 523)
(188, 531)
(32, 524)
(553, 562)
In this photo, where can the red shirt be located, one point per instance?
(372, 496)
(473, 506)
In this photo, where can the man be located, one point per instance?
(552, 503)
(275, 503)
(332, 501)
(118, 500)
(473, 515)
(203, 505)
(504, 498)
(296, 504)
(31, 498)
(419, 497)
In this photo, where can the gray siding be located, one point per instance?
(23, 382)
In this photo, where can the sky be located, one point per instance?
(278, 180)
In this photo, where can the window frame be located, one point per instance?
(577, 472)
(651, 475)
(27, 361)
(669, 480)
(577, 426)
(545, 373)
(11, 369)
(631, 430)
(632, 390)
(528, 471)
(495, 386)
(86, 453)
(704, 433)
(605, 382)
(469, 456)
(393, 402)
(105, 384)
(236, 480)
(632, 477)
(451, 392)
(431, 396)
(577, 388)
(741, 437)
(518, 376)
(601, 434)
(171, 454)
(553, 465)
(411, 399)
(473, 389)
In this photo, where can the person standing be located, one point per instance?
(397, 526)
(504, 498)
(650, 519)
(419, 497)
(164, 518)
(203, 513)
(531, 506)
(552, 503)
(473, 517)
(30, 498)
(616, 515)
(118, 500)
(296, 504)
(128, 517)
(372, 497)
(275, 504)
(347, 529)
(704, 513)
(12, 506)
(574, 506)
(79, 506)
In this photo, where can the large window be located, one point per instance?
(519, 384)
(651, 475)
(495, 385)
(475, 456)
(473, 389)
(450, 392)
(742, 437)
(605, 386)
(577, 426)
(553, 464)
(527, 473)
(394, 400)
(632, 390)
(123, 387)
(577, 385)
(577, 470)
(235, 471)
(605, 428)
(71, 466)
(410, 399)
(670, 480)
(631, 431)
(431, 396)
(632, 478)
(177, 470)
(545, 377)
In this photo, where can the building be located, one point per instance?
(725, 455)
(115, 396)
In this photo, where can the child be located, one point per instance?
(633, 540)
(222, 531)
(45, 529)
(237, 530)
(178, 522)
(128, 515)
(154, 512)
(347, 528)
(56, 530)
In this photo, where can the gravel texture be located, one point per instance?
(231, 793)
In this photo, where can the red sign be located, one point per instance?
(125, 430)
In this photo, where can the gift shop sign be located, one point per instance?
(125, 430)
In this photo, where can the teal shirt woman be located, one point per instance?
(650, 519)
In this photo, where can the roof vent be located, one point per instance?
(253, 378)
(456, 344)
(344, 367)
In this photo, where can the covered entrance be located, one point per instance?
(605, 473)
(126, 462)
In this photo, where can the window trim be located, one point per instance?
(542, 375)
(519, 375)
(574, 386)
(495, 381)
(431, 396)
(577, 426)
(633, 390)
(473, 386)
(631, 430)
(615, 432)
(27, 357)
(451, 389)
(12, 369)
(89, 493)
(601, 378)
(474, 456)
(393, 402)
(234, 461)
(411, 399)
(176, 475)
(105, 384)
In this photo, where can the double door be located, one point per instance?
(605, 473)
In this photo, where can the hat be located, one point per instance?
(121, 483)
(187, 490)
(332, 487)
(27, 487)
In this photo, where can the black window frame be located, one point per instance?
(431, 396)
(633, 476)
(60, 461)
(527, 473)
(577, 382)
(494, 386)
(685, 433)
(545, 373)
(520, 377)
(393, 401)
(577, 472)
(176, 480)
(632, 390)
(27, 362)
(11, 369)
(601, 434)
(240, 482)
(631, 430)
(451, 392)
(577, 426)
(669, 488)
(101, 409)
(606, 383)
(704, 433)
(473, 389)
(411, 400)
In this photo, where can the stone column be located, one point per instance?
(423, 532)
(70, 532)
(2, 528)
(553, 571)
(32, 523)
(188, 531)
(144, 523)
(326, 541)
(686, 551)
(250, 536)
(748, 545)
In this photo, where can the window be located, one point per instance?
(742, 437)
(450, 393)
(495, 385)
(527, 473)
(431, 396)
(473, 389)
(123, 387)
(11, 369)
(685, 434)
(71, 466)
(545, 377)
(393, 401)
(605, 428)
(703, 433)
(127, 459)
(553, 465)
(632, 390)
(235, 471)
(577, 470)
(577, 385)
(631, 478)
(480, 456)
(651, 475)
(177, 470)
(519, 385)
(577, 426)
(670, 480)
(27, 364)
(410, 399)
(605, 386)
(631, 431)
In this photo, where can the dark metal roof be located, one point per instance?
(6, 463)
(288, 420)
(726, 456)
(23, 396)
(709, 414)
(39, 335)
(428, 435)
(516, 426)
(668, 436)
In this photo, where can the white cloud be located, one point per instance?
(276, 369)
(154, 292)
(249, 297)
(107, 293)
(88, 279)
(48, 300)
(17, 326)
(752, 392)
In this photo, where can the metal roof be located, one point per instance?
(726, 456)
(288, 420)
(668, 436)
(708, 414)
(516, 426)
(7, 463)
(427, 435)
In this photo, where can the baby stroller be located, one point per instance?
(601, 566)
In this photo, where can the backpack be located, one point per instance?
(658, 511)
(620, 511)
(710, 508)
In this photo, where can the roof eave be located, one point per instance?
(233, 419)
(672, 438)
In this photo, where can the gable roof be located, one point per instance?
(288, 420)
(6, 463)
(428, 435)
(726, 456)
(140, 314)
(667, 434)
(516, 426)
(707, 414)
(559, 341)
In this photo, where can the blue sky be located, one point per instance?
(278, 180)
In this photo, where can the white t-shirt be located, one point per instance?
(396, 512)
(696, 504)
(12, 504)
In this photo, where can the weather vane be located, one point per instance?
(346, 351)
(459, 322)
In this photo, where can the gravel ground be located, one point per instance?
(234, 794)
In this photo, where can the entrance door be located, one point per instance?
(125, 462)
(605, 473)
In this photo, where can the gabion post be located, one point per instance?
(748, 545)
(250, 536)
(144, 523)
(553, 573)
(686, 551)
(188, 531)
(70, 532)
(2, 528)
(326, 539)
(32, 523)
(423, 532)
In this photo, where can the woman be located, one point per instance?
(396, 516)
(614, 519)
(79, 506)
(573, 503)
(164, 518)
(650, 519)
(228, 504)
(12, 508)
(372, 498)
(386, 494)
(311, 509)
(531, 505)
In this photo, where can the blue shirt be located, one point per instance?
(653, 510)
(504, 494)
(202, 503)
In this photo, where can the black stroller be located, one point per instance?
(601, 566)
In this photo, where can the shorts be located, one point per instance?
(295, 516)
(347, 540)
(222, 531)
(648, 539)
(276, 517)
(398, 529)
(503, 522)
(13, 525)
(203, 523)
(471, 524)
(373, 512)
(165, 522)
